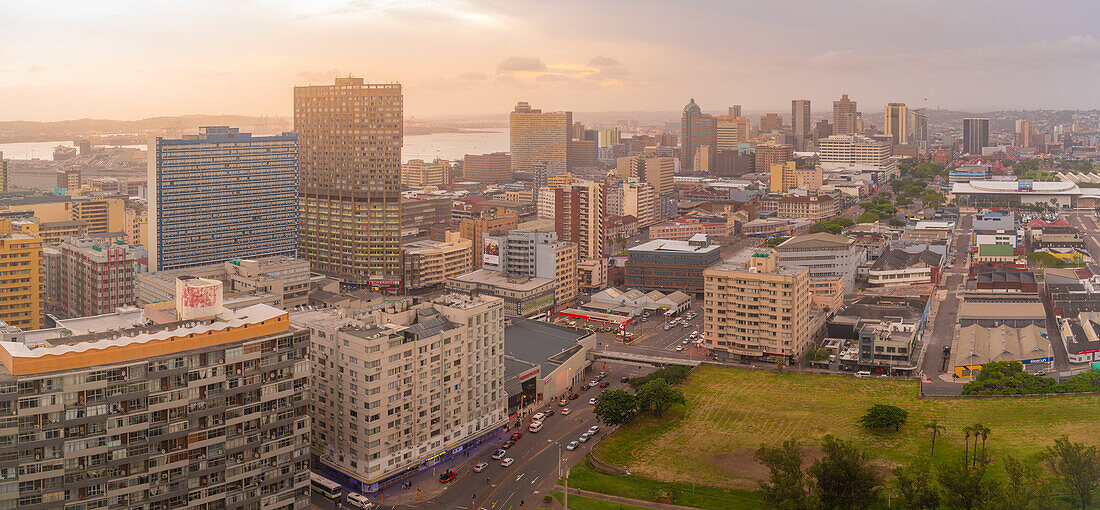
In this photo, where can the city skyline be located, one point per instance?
(236, 59)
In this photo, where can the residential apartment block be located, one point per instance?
(97, 275)
(220, 195)
(812, 207)
(536, 254)
(539, 137)
(488, 221)
(417, 173)
(487, 168)
(756, 309)
(281, 282)
(429, 263)
(395, 393)
(578, 216)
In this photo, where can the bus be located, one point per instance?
(326, 487)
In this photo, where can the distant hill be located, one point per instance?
(29, 131)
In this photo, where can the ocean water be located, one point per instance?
(451, 146)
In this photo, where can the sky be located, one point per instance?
(127, 59)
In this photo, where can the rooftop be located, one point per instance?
(1001, 310)
(498, 279)
(1039, 187)
(995, 250)
(817, 240)
(539, 342)
(978, 345)
(897, 259)
(668, 246)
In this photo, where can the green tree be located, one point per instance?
(965, 486)
(785, 487)
(936, 428)
(844, 477)
(615, 407)
(779, 362)
(980, 430)
(931, 198)
(1024, 487)
(819, 354)
(1077, 466)
(868, 217)
(659, 396)
(914, 485)
(882, 416)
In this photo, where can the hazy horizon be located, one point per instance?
(129, 60)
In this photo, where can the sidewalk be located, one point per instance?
(621, 501)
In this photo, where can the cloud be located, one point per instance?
(513, 64)
(602, 61)
(550, 77)
(36, 69)
(473, 76)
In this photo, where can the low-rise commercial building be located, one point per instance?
(535, 253)
(671, 265)
(279, 281)
(429, 263)
(420, 214)
(523, 295)
(487, 168)
(417, 173)
(400, 391)
(812, 207)
(591, 275)
(559, 354)
(1081, 336)
(906, 266)
(682, 229)
(978, 345)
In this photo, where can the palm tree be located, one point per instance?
(966, 452)
(935, 427)
(984, 432)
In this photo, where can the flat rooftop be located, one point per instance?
(499, 279)
(668, 246)
(539, 342)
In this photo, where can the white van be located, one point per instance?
(359, 501)
(538, 417)
(535, 426)
(863, 373)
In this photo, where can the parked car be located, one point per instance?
(480, 467)
(507, 462)
(593, 384)
(565, 411)
(573, 396)
(508, 444)
(572, 445)
(591, 401)
(359, 501)
(584, 437)
(593, 429)
(499, 454)
(549, 412)
(562, 402)
(516, 436)
(604, 384)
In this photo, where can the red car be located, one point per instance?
(516, 436)
(574, 396)
(449, 476)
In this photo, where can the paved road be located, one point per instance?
(943, 327)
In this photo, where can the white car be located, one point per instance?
(695, 333)
(499, 454)
(593, 429)
(592, 401)
(667, 327)
(572, 445)
(584, 437)
(480, 467)
(507, 462)
(679, 347)
(565, 411)
(357, 500)
(593, 384)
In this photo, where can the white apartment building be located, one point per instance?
(545, 203)
(840, 152)
(396, 391)
(828, 256)
(639, 201)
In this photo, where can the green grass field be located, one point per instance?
(583, 503)
(731, 412)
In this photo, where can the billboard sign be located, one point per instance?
(490, 254)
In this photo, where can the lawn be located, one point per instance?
(731, 412)
(634, 487)
(583, 503)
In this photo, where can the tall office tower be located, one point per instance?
(490, 168)
(771, 122)
(918, 127)
(609, 137)
(975, 135)
(207, 412)
(657, 171)
(97, 275)
(738, 289)
(23, 289)
(800, 122)
(896, 122)
(768, 154)
(535, 136)
(640, 201)
(696, 130)
(392, 392)
(578, 131)
(787, 176)
(823, 129)
(69, 179)
(417, 173)
(221, 195)
(844, 116)
(581, 154)
(735, 111)
(579, 215)
(537, 254)
(731, 132)
(1023, 134)
(846, 150)
(350, 135)
(704, 159)
(488, 221)
(5, 179)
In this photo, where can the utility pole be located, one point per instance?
(565, 498)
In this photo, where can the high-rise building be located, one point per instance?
(896, 122)
(640, 201)
(487, 168)
(787, 176)
(221, 195)
(800, 122)
(609, 137)
(704, 159)
(97, 275)
(537, 254)
(579, 215)
(69, 180)
(771, 122)
(659, 172)
(844, 116)
(22, 288)
(392, 392)
(731, 132)
(697, 129)
(429, 263)
(975, 135)
(350, 135)
(838, 151)
(417, 173)
(178, 414)
(536, 136)
(5, 178)
(735, 111)
(489, 221)
(136, 225)
(756, 309)
(918, 128)
(829, 257)
(1023, 134)
(768, 154)
(581, 154)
